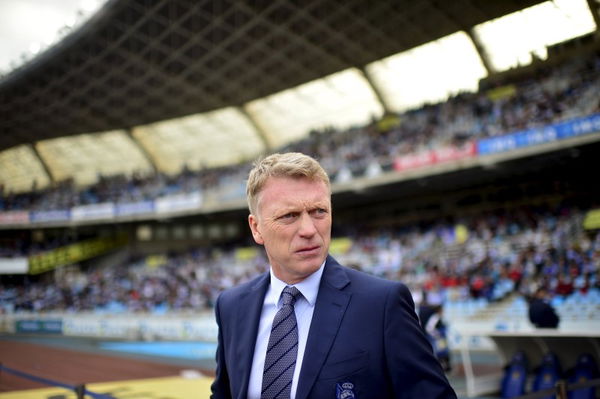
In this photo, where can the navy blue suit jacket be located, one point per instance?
(364, 331)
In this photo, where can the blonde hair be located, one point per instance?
(290, 164)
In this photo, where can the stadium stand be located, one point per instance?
(549, 96)
(464, 266)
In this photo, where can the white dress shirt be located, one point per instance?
(303, 308)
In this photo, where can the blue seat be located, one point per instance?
(548, 373)
(515, 376)
(585, 369)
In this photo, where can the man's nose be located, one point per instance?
(307, 225)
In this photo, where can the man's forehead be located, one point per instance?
(279, 182)
(294, 202)
(275, 186)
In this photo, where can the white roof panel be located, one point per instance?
(511, 40)
(342, 100)
(87, 156)
(429, 73)
(213, 139)
(21, 170)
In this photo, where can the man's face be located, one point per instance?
(293, 222)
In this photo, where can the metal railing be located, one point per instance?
(561, 389)
(80, 390)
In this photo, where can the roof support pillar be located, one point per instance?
(260, 130)
(43, 163)
(376, 90)
(594, 6)
(483, 54)
(142, 149)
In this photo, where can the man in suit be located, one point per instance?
(351, 335)
(541, 312)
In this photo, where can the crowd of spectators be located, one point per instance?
(535, 100)
(488, 257)
(118, 189)
(547, 95)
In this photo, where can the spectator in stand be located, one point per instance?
(563, 285)
(541, 312)
(431, 318)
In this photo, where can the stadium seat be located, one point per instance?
(585, 369)
(515, 376)
(548, 373)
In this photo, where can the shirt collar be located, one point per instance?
(309, 287)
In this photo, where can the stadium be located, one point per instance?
(460, 139)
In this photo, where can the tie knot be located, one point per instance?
(289, 295)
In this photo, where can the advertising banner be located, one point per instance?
(39, 326)
(134, 208)
(92, 212)
(532, 137)
(73, 253)
(179, 202)
(14, 217)
(13, 265)
(146, 327)
(414, 161)
(83, 326)
(579, 126)
(440, 155)
(454, 153)
(592, 219)
(58, 215)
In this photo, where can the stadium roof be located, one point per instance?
(159, 81)
(141, 61)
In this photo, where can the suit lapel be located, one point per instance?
(247, 319)
(329, 311)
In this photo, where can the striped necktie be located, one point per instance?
(282, 350)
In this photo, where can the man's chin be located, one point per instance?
(311, 264)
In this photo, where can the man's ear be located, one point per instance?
(253, 223)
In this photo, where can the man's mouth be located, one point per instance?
(308, 250)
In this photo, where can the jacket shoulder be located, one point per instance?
(362, 280)
(233, 293)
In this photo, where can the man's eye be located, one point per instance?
(288, 216)
(319, 212)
